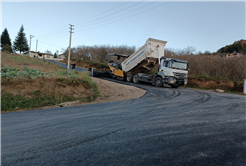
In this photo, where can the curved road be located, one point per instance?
(164, 127)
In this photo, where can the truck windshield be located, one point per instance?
(179, 65)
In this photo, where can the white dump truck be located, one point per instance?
(135, 68)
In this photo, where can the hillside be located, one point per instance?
(238, 46)
(28, 83)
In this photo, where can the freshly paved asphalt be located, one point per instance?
(65, 66)
(164, 127)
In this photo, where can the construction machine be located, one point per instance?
(136, 67)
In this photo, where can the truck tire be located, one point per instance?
(174, 86)
(158, 82)
(129, 78)
(135, 79)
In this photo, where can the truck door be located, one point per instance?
(165, 67)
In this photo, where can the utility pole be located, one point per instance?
(36, 45)
(31, 36)
(68, 61)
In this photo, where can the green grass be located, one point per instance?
(38, 98)
(64, 77)
(12, 102)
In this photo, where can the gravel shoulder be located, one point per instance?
(111, 91)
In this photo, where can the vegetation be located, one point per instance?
(5, 41)
(27, 87)
(20, 43)
(55, 55)
(238, 46)
(11, 72)
(98, 54)
(45, 95)
(214, 65)
(206, 82)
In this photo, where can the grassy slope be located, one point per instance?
(212, 83)
(26, 93)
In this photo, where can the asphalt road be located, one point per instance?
(164, 127)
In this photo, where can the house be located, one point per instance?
(40, 55)
(61, 56)
(234, 55)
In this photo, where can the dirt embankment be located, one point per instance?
(109, 91)
(211, 83)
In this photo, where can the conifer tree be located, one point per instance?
(20, 43)
(55, 55)
(5, 41)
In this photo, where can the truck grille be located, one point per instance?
(180, 75)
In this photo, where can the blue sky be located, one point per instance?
(207, 26)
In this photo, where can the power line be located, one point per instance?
(125, 17)
(62, 29)
(100, 18)
(101, 13)
(50, 44)
(121, 14)
(54, 32)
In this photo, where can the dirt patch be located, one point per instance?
(212, 83)
(111, 91)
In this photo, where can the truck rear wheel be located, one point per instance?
(129, 78)
(158, 82)
(135, 79)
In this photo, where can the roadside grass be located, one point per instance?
(19, 61)
(27, 93)
(27, 88)
(212, 83)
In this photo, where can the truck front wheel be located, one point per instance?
(158, 82)
(135, 79)
(129, 78)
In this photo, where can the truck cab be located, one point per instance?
(174, 71)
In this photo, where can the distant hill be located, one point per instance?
(238, 46)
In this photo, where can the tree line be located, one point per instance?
(20, 43)
(213, 64)
(98, 53)
(237, 46)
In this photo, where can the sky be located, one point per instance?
(206, 25)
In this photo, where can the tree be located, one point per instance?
(55, 55)
(5, 41)
(20, 43)
(207, 52)
(48, 52)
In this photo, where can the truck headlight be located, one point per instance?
(185, 81)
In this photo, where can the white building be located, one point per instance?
(40, 55)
